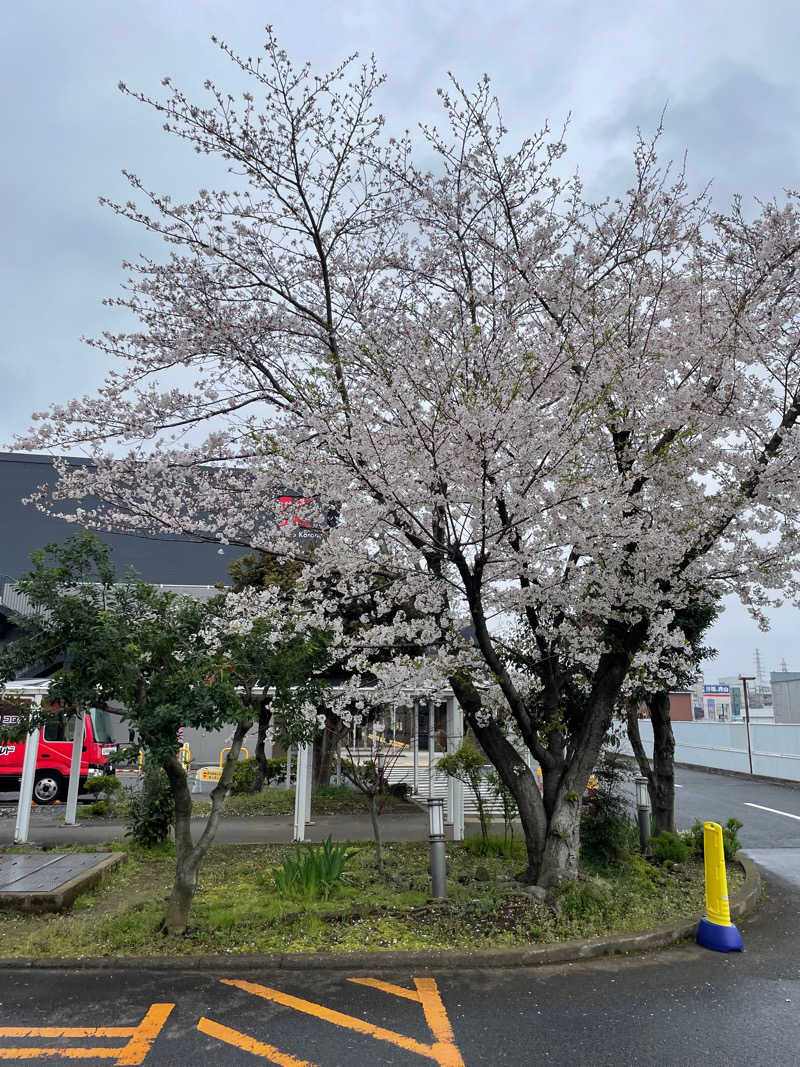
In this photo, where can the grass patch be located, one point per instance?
(238, 909)
(328, 800)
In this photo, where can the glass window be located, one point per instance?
(60, 728)
(101, 726)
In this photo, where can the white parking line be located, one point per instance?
(774, 811)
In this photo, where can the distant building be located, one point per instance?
(786, 695)
(759, 697)
(716, 703)
(680, 706)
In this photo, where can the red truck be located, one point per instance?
(55, 754)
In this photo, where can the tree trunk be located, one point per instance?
(189, 856)
(660, 774)
(376, 830)
(562, 842)
(260, 754)
(518, 777)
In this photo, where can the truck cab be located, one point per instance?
(55, 753)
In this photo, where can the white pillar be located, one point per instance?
(455, 792)
(415, 738)
(431, 743)
(75, 768)
(309, 780)
(28, 776)
(300, 791)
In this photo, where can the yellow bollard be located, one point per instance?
(716, 931)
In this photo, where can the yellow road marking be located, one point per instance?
(130, 1055)
(443, 1051)
(387, 987)
(249, 1044)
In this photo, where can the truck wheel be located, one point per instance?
(47, 787)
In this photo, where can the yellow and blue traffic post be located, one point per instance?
(716, 931)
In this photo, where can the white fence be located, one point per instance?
(774, 747)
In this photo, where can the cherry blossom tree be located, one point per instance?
(509, 402)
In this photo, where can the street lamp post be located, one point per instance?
(437, 850)
(744, 679)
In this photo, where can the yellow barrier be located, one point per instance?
(244, 754)
(209, 774)
(716, 931)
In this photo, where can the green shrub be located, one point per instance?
(315, 874)
(608, 835)
(152, 812)
(104, 783)
(401, 790)
(667, 847)
(581, 900)
(730, 838)
(243, 777)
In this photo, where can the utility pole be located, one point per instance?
(744, 679)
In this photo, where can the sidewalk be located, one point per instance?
(241, 830)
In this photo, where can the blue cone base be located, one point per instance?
(719, 938)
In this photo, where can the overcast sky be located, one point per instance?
(727, 71)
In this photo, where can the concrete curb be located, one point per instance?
(744, 902)
(54, 900)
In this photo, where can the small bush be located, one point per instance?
(731, 844)
(151, 812)
(608, 836)
(243, 777)
(730, 837)
(667, 847)
(580, 900)
(104, 783)
(401, 790)
(315, 874)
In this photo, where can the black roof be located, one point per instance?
(160, 558)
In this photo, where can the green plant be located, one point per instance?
(243, 777)
(315, 874)
(491, 846)
(401, 790)
(151, 812)
(506, 798)
(667, 847)
(466, 765)
(731, 844)
(579, 900)
(730, 837)
(608, 836)
(104, 783)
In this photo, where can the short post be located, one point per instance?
(288, 766)
(28, 778)
(71, 815)
(437, 850)
(716, 931)
(300, 794)
(643, 811)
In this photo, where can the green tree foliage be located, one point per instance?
(466, 764)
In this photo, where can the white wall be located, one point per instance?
(723, 745)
